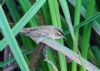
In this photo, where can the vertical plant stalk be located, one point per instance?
(46, 13)
(13, 11)
(55, 16)
(76, 22)
(66, 12)
(12, 41)
(87, 31)
(47, 16)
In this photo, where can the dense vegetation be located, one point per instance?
(79, 20)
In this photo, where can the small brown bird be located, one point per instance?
(38, 34)
(41, 32)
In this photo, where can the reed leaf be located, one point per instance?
(12, 42)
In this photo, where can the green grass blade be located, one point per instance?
(55, 16)
(25, 5)
(46, 13)
(92, 58)
(76, 22)
(87, 31)
(68, 18)
(12, 9)
(12, 42)
(85, 22)
(23, 21)
(83, 12)
(16, 16)
(96, 52)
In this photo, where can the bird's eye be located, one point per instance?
(59, 34)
